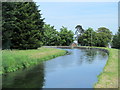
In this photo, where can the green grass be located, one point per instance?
(109, 77)
(18, 59)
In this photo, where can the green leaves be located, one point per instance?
(99, 38)
(22, 25)
(54, 38)
(50, 35)
(66, 36)
(116, 40)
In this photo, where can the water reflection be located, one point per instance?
(27, 78)
(90, 55)
(77, 70)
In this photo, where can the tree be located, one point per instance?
(66, 36)
(79, 31)
(7, 23)
(104, 36)
(116, 40)
(22, 25)
(87, 38)
(99, 38)
(50, 36)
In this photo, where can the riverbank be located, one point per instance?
(18, 59)
(109, 77)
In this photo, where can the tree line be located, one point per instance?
(24, 28)
(101, 37)
(52, 37)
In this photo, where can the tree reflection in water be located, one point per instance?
(57, 72)
(91, 54)
(32, 77)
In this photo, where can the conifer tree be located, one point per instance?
(22, 26)
(8, 23)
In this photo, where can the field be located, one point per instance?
(109, 77)
(17, 59)
(13, 60)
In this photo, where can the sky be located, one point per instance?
(76, 0)
(87, 14)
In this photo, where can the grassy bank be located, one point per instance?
(17, 59)
(109, 77)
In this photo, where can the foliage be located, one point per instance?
(17, 59)
(104, 36)
(87, 38)
(116, 40)
(66, 36)
(22, 25)
(7, 23)
(101, 37)
(23, 28)
(79, 29)
(50, 36)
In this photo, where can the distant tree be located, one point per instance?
(79, 29)
(66, 36)
(22, 25)
(87, 38)
(116, 40)
(104, 36)
(99, 38)
(50, 36)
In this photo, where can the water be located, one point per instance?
(77, 70)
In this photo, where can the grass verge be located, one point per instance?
(18, 59)
(109, 77)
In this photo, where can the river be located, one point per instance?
(76, 70)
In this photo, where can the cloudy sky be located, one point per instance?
(87, 14)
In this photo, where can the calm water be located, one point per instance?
(77, 70)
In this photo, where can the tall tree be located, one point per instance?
(99, 38)
(22, 25)
(104, 36)
(8, 23)
(87, 38)
(50, 36)
(79, 31)
(66, 36)
(116, 40)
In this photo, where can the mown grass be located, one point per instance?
(109, 77)
(13, 60)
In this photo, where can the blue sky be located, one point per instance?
(87, 14)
